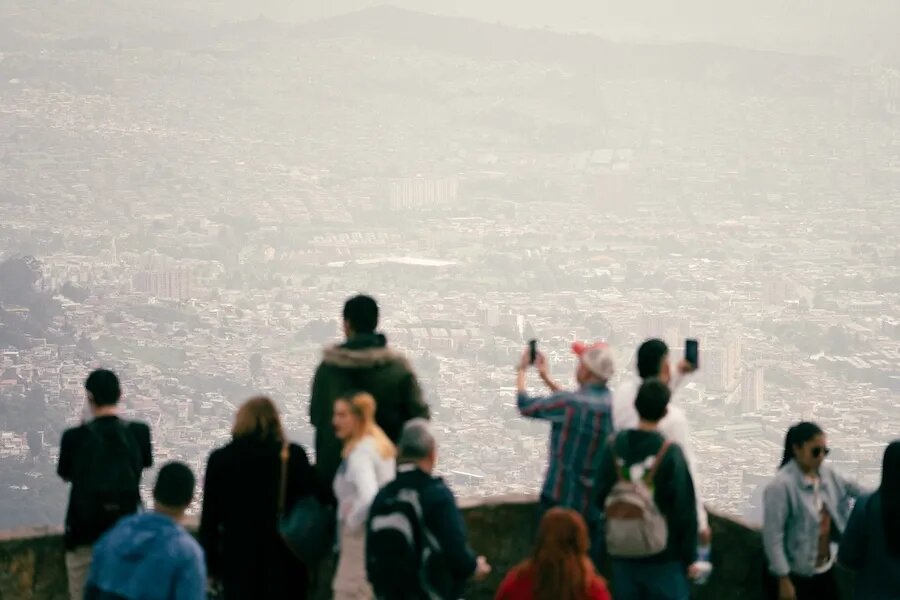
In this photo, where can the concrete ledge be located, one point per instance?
(32, 564)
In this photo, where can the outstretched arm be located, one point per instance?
(551, 408)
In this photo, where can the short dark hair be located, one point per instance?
(174, 485)
(652, 400)
(650, 356)
(104, 387)
(361, 313)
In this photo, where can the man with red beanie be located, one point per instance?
(581, 422)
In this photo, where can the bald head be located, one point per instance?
(417, 444)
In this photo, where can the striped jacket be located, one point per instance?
(581, 422)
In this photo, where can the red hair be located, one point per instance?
(560, 563)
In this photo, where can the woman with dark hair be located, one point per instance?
(239, 522)
(807, 507)
(871, 543)
(560, 568)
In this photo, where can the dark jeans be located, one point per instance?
(643, 580)
(596, 533)
(818, 587)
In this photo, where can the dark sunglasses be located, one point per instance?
(820, 450)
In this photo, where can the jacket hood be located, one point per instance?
(361, 358)
(144, 535)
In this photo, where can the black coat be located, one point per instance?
(238, 527)
(364, 363)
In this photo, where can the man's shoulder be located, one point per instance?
(782, 481)
(436, 486)
(426, 485)
(339, 357)
(73, 433)
(674, 451)
(189, 547)
(138, 427)
(437, 495)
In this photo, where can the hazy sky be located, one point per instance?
(866, 29)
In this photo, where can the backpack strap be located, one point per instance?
(648, 478)
(611, 442)
(282, 485)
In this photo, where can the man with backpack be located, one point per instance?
(150, 555)
(647, 495)
(103, 460)
(415, 536)
(653, 361)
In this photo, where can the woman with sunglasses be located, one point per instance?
(806, 506)
(871, 543)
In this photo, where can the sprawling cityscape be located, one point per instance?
(190, 206)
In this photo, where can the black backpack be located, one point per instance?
(109, 475)
(400, 551)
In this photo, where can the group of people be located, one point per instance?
(619, 495)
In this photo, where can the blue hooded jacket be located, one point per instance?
(147, 557)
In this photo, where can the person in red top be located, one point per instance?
(560, 568)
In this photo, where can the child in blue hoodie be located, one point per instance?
(150, 556)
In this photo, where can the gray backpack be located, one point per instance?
(635, 527)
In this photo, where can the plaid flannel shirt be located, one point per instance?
(581, 421)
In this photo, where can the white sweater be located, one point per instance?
(674, 427)
(358, 480)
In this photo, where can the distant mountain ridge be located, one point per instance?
(864, 30)
(467, 37)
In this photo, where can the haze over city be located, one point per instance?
(189, 194)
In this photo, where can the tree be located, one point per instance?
(18, 276)
(73, 292)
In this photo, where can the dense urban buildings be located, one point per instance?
(197, 201)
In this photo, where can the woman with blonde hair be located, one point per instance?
(560, 568)
(245, 553)
(368, 464)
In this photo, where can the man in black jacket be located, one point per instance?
(362, 363)
(455, 563)
(635, 451)
(103, 460)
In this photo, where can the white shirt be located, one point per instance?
(674, 427)
(358, 480)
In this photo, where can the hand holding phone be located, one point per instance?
(532, 351)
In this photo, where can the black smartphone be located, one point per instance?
(692, 352)
(532, 351)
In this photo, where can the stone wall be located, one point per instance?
(32, 565)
